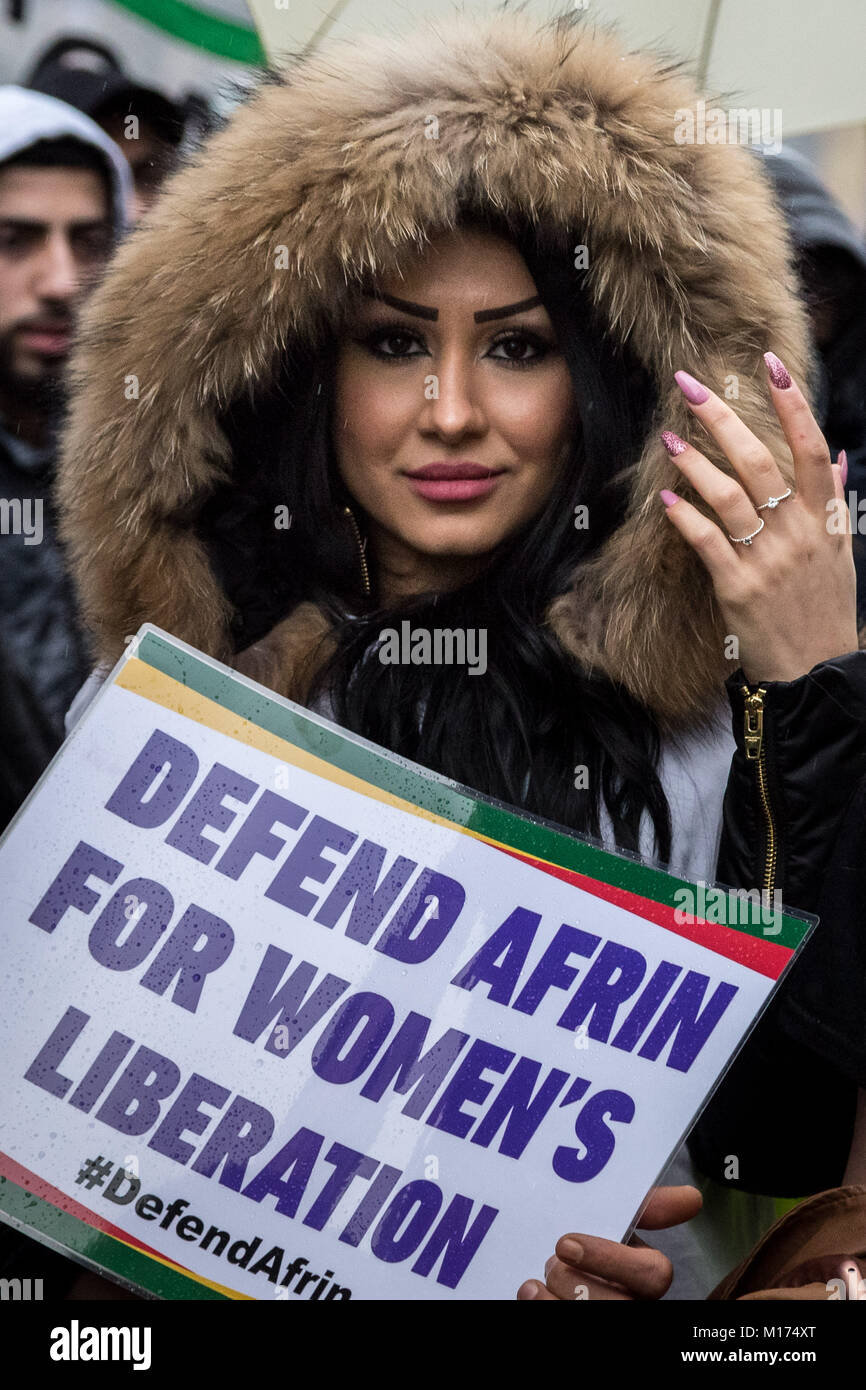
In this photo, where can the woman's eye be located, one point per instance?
(519, 350)
(396, 344)
(391, 342)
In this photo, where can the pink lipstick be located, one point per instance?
(453, 482)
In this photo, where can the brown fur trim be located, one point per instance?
(288, 659)
(689, 262)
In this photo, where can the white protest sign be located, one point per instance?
(286, 1017)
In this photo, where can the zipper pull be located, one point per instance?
(754, 722)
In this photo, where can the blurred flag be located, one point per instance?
(801, 58)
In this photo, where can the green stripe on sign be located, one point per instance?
(63, 1231)
(418, 785)
(211, 32)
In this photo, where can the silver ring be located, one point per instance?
(747, 540)
(772, 502)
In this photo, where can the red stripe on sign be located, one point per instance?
(40, 1188)
(755, 952)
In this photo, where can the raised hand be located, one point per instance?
(784, 579)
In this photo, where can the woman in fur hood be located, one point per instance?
(452, 332)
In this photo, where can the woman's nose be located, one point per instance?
(452, 399)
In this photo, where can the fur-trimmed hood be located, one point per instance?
(689, 263)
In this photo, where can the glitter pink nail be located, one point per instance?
(778, 372)
(673, 443)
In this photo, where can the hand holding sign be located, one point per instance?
(588, 1267)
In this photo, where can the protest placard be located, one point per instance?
(285, 1016)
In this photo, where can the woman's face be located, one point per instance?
(453, 409)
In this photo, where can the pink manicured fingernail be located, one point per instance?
(528, 1290)
(673, 443)
(842, 460)
(668, 497)
(693, 391)
(778, 372)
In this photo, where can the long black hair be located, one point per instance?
(535, 730)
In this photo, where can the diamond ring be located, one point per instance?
(772, 502)
(747, 540)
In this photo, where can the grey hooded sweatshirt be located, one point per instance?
(38, 628)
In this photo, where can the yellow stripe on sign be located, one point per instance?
(140, 679)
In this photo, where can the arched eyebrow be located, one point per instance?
(485, 315)
(420, 311)
(423, 311)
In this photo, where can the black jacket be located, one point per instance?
(38, 623)
(27, 741)
(785, 1109)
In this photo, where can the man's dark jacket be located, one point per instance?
(38, 625)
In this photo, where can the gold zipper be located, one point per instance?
(756, 752)
(362, 550)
